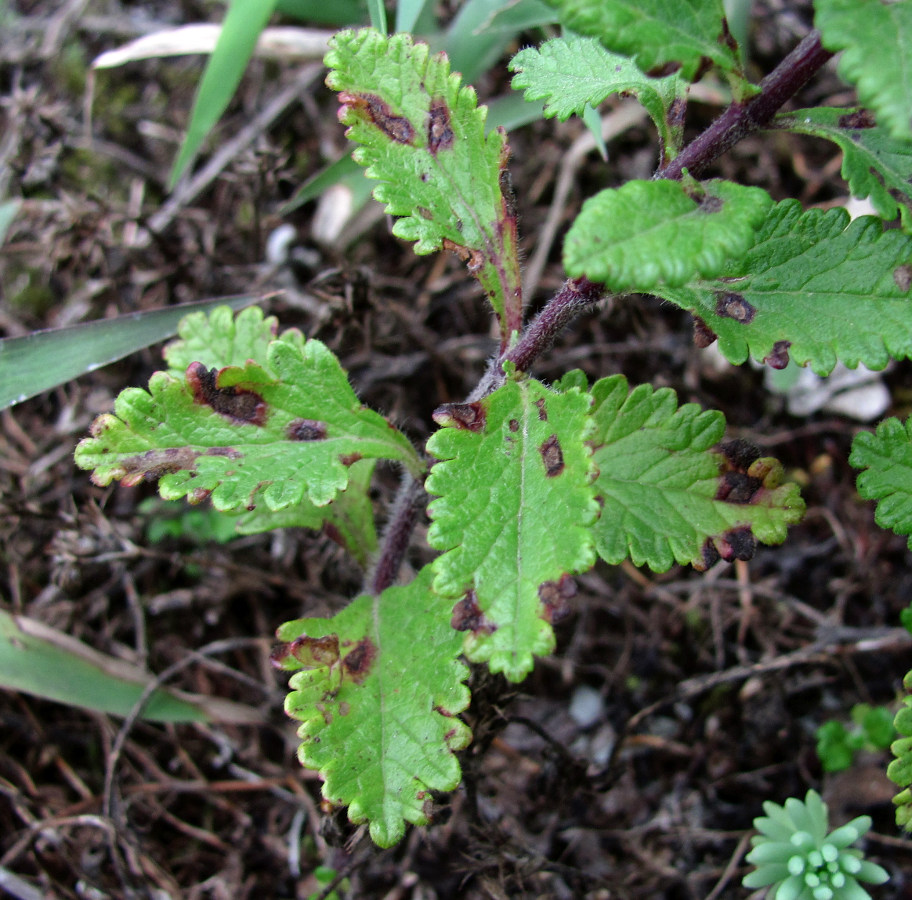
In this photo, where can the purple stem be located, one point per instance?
(580, 295)
(742, 119)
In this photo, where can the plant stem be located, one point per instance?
(742, 119)
(397, 534)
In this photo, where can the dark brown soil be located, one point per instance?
(710, 686)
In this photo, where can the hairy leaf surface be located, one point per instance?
(650, 232)
(514, 507)
(378, 693)
(422, 137)
(815, 287)
(667, 496)
(875, 164)
(656, 32)
(886, 457)
(573, 73)
(279, 433)
(876, 42)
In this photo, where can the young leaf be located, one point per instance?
(814, 287)
(378, 696)
(649, 232)
(656, 32)
(571, 73)
(875, 164)
(422, 137)
(666, 496)
(276, 434)
(886, 457)
(348, 520)
(876, 40)
(514, 507)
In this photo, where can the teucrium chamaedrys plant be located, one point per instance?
(530, 483)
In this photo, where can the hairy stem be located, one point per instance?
(410, 499)
(742, 119)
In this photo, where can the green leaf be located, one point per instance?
(876, 40)
(814, 287)
(886, 457)
(243, 23)
(43, 360)
(40, 660)
(656, 32)
(422, 137)
(571, 73)
(875, 164)
(277, 433)
(666, 496)
(514, 508)
(378, 696)
(348, 520)
(650, 232)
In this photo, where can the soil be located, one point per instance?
(704, 691)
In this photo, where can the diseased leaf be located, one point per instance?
(276, 434)
(875, 164)
(422, 137)
(571, 73)
(512, 515)
(814, 288)
(348, 520)
(650, 232)
(886, 457)
(378, 696)
(667, 496)
(656, 32)
(876, 40)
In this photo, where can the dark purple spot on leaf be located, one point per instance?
(736, 487)
(902, 275)
(555, 598)
(396, 128)
(861, 118)
(306, 430)
(240, 406)
(779, 357)
(467, 416)
(153, 464)
(228, 452)
(467, 616)
(552, 456)
(514, 425)
(709, 556)
(739, 543)
(357, 662)
(439, 130)
(730, 305)
(542, 412)
(740, 454)
(703, 334)
(710, 204)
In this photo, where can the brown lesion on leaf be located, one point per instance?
(239, 405)
(736, 543)
(357, 663)
(308, 652)
(465, 416)
(349, 459)
(902, 276)
(513, 425)
(474, 259)
(737, 487)
(507, 194)
(710, 204)
(468, 616)
(861, 118)
(552, 456)
(778, 357)
(153, 464)
(740, 454)
(305, 430)
(439, 130)
(731, 305)
(555, 597)
(396, 128)
(703, 334)
(542, 412)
